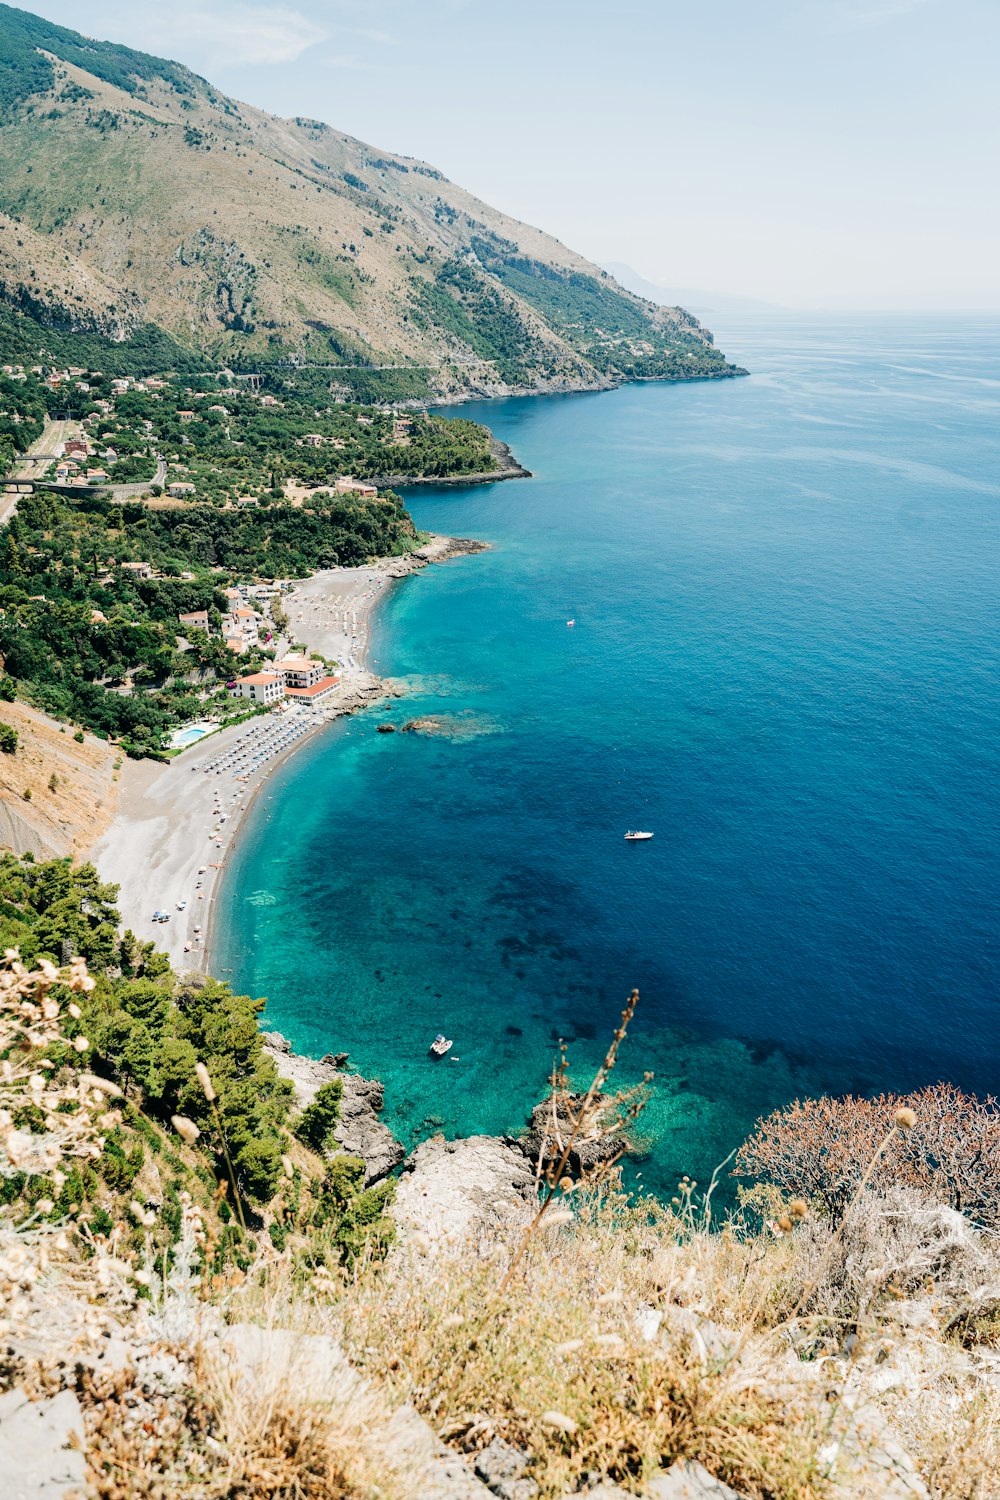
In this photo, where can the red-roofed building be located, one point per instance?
(313, 694)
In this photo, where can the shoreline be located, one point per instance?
(176, 825)
(508, 467)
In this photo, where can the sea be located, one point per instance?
(759, 618)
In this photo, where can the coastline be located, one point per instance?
(169, 841)
(507, 468)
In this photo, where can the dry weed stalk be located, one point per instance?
(588, 1121)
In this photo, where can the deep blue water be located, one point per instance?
(785, 663)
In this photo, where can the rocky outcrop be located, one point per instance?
(41, 1446)
(359, 1131)
(457, 1190)
(588, 1152)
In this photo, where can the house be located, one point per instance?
(237, 644)
(78, 446)
(186, 416)
(196, 620)
(259, 687)
(246, 502)
(313, 439)
(137, 569)
(316, 692)
(97, 476)
(345, 485)
(268, 400)
(96, 618)
(300, 671)
(180, 489)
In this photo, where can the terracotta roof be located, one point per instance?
(318, 688)
(260, 678)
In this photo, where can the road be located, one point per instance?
(35, 462)
(127, 491)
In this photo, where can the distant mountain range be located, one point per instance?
(701, 302)
(140, 205)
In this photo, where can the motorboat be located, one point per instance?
(634, 835)
(441, 1045)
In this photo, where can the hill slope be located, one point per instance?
(139, 203)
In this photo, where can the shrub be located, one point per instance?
(78, 737)
(821, 1148)
(319, 1118)
(8, 690)
(8, 739)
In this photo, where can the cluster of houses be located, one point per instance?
(296, 678)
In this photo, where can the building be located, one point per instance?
(137, 569)
(196, 620)
(186, 416)
(237, 644)
(313, 439)
(299, 671)
(259, 687)
(345, 485)
(314, 694)
(180, 489)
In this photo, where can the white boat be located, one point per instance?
(441, 1045)
(635, 834)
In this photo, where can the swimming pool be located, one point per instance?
(190, 734)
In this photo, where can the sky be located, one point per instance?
(807, 153)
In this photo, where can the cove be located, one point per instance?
(784, 662)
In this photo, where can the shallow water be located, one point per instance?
(784, 662)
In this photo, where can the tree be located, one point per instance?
(318, 1119)
(821, 1148)
(8, 739)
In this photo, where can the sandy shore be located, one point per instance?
(176, 824)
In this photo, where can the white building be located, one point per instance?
(299, 671)
(259, 687)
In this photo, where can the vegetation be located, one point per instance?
(183, 1048)
(318, 1119)
(822, 1147)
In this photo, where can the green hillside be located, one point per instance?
(143, 209)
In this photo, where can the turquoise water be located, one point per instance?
(784, 663)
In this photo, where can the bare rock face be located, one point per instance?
(359, 1131)
(36, 1456)
(465, 1189)
(502, 1468)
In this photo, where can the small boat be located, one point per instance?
(570, 623)
(635, 834)
(441, 1045)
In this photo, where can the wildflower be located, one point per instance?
(785, 1224)
(202, 1075)
(74, 1011)
(798, 1208)
(906, 1118)
(560, 1421)
(569, 1346)
(185, 1128)
(44, 1206)
(80, 1044)
(566, 1184)
(558, 1216)
(286, 1166)
(453, 1320)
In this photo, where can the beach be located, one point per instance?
(176, 824)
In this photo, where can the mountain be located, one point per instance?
(705, 302)
(140, 205)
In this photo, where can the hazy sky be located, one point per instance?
(815, 153)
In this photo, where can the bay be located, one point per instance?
(784, 662)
